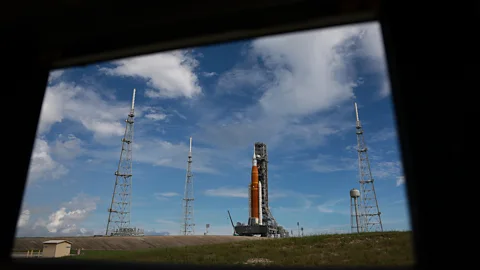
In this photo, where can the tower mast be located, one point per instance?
(262, 164)
(371, 218)
(119, 212)
(188, 227)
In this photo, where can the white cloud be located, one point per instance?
(169, 194)
(303, 67)
(383, 135)
(42, 165)
(65, 101)
(233, 80)
(170, 74)
(386, 169)
(209, 74)
(305, 204)
(400, 180)
(158, 152)
(372, 51)
(180, 115)
(24, 218)
(156, 116)
(67, 147)
(299, 77)
(327, 163)
(381, 168)
(55, 75)
(329, 206)
(228, 192)
(165, 195)
(385, 89)
(67, 220)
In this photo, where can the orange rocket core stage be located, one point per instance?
(254, 195)
(254, 207)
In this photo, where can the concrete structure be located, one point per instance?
(56, 248)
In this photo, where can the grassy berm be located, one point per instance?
(387, 248)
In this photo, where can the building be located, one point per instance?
(56, 248)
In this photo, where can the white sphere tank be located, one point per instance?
(354, 193)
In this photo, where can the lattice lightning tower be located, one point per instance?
(119, 212)
(371, 218)
(188, 227)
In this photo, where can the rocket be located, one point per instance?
(255, 195)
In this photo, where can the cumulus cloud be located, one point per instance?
(303, 69)
(42, 165)
(67, 147)
(66, 220)
(55, 75)
(67, 101)
(292, 78)
(169, 74)
(24, 218)
(48, 159)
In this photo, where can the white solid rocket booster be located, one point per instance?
(249, 201)
(260, 215)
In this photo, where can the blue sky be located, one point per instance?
(294, 92)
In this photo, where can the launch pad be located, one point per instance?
(251, 230)
(261, 221)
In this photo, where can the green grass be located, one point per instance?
(387, 248)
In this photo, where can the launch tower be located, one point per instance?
(262, 165)
(371, 219)
(261, 221)
(188, 227)
(118, 223)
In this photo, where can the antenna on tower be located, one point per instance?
(371, 219)
(118, 223)
(190, 151)
(356, 114)
(188, 227)
(133, 101)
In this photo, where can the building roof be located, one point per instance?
(56, 241)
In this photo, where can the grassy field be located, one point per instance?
(23, 244)
(387, 248)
